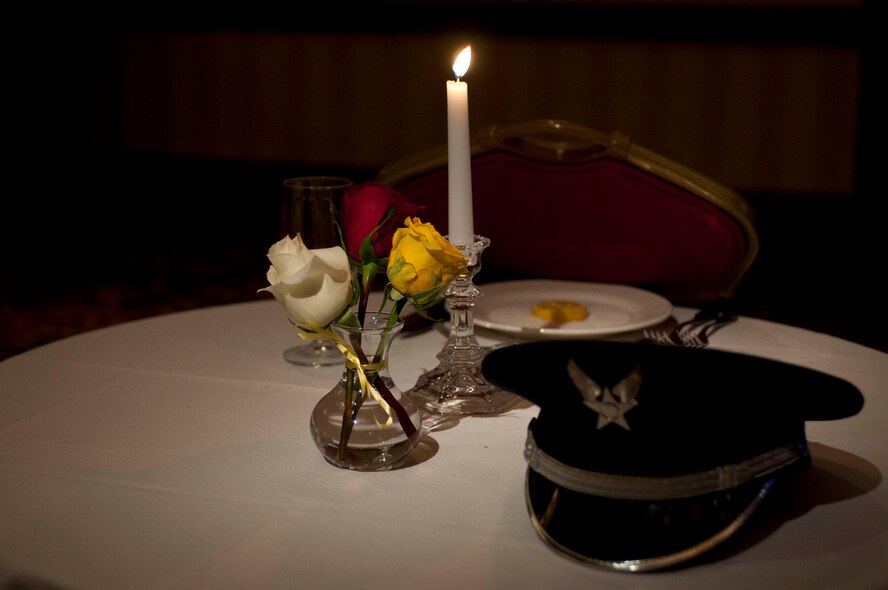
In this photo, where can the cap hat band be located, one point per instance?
(626, 487)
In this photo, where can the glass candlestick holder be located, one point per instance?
(456, 385)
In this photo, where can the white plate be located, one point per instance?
(613, 309)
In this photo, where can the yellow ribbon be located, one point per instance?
(352, 360)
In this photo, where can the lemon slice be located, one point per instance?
(559, 311)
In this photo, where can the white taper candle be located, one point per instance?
(459, 157)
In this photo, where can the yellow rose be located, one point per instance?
(422, 262)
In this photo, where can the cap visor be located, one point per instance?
(637, 536)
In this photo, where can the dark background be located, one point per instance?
(97, 229)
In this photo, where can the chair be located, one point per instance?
(562, 201)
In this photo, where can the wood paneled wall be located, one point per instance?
(757, 116)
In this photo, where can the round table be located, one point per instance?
(174, 452)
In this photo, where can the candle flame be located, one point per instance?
(461, 64)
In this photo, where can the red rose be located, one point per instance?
(363, 208)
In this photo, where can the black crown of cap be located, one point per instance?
(672, 410)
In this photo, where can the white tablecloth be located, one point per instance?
(174, 452)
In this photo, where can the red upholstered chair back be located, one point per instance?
(560, 201)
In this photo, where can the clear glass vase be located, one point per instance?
(366, 428)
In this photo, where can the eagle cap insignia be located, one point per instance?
(611, 405)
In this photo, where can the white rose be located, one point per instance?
(314, 286)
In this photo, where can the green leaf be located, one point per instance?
(428, 297)
(367, 252)
(335, 213)
(393, 293)
(368, 270)
(347, 318)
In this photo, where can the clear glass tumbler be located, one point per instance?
(309, 207)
